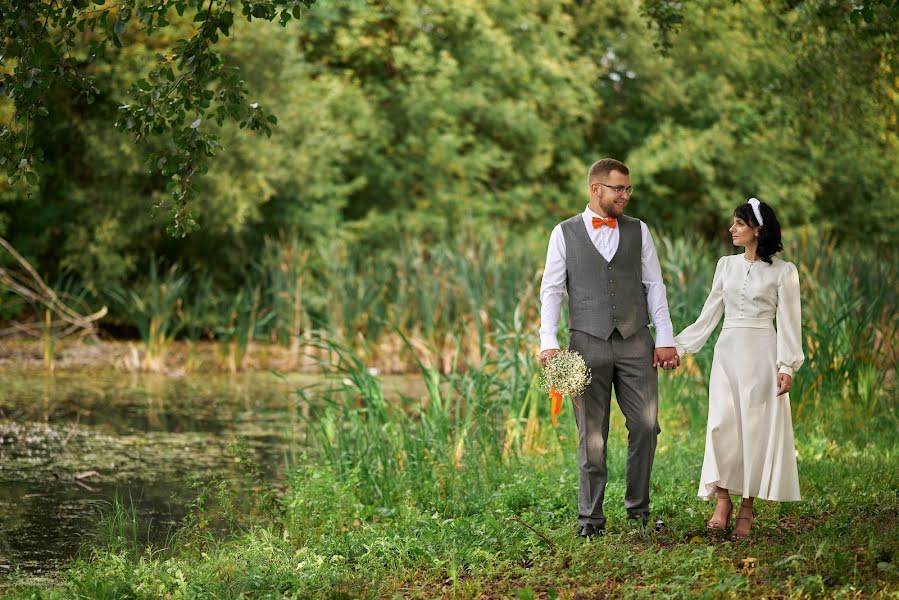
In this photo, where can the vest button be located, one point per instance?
(610, 281)
(610, 267)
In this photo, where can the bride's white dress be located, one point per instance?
(749, 447)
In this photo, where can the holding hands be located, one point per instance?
(665, 357)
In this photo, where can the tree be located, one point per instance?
(792, 102)
(668, 16)
(418, 119)
(47, 45)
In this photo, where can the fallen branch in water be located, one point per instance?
(84, 485)
(77, 479)
(32, 287)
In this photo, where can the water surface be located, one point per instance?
(71, 442)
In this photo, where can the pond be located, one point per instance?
(72, 442)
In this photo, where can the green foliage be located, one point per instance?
(385, 503)
(478, 106)
(667, 16)
(46, 46)
(424, 121)
(773, 110)
(154, 310)
(467, 489)
(426, 118)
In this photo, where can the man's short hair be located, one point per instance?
(602, 168)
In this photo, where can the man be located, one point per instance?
(608, 264)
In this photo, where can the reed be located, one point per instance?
(49, 341)
(152, 306)
(246, 316)
(454, 305)
(118, 531)
(285, 268)
(439, 450)
(197, 311)
(851, 326)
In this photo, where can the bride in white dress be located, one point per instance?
(749, 449)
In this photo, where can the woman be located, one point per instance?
(749, 448)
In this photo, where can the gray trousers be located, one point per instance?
(625, 364)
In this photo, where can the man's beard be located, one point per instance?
(615, 210)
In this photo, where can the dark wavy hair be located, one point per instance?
(769, 235)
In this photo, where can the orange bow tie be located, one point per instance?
(608, 222)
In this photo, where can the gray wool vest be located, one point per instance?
(605, 295)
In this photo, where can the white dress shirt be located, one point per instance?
(606, 241)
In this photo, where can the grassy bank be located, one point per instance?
(467, 491)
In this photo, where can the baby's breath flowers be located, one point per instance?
(565, 373)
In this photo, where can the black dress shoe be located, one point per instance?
(589, 530)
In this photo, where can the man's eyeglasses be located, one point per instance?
(619, 189)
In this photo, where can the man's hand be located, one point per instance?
(784, 383)
(665, 357)
(546, 355)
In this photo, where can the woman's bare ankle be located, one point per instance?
(724, 506)
(744, 520)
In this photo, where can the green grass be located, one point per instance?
(333, 539)
(468, 491)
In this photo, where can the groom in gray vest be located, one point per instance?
(609, 266)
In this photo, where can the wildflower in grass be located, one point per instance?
(566, 373)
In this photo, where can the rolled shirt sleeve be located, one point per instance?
(656, 295)
(552, 287)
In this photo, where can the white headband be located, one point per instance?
(754, 202)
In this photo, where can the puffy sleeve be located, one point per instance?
(691, 339)
(789, 322)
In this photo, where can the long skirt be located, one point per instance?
(749, 447)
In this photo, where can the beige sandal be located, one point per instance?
(712, 523)
(737, 536)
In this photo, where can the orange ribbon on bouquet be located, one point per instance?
(557, 404)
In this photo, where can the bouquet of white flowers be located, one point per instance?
(565, 373)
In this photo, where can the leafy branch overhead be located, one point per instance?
(667, 16)
(51, 51)
(46, 47)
